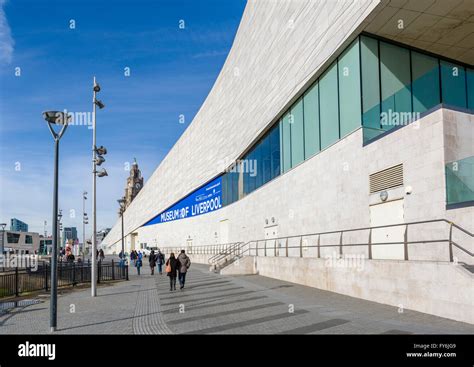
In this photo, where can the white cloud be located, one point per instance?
(6, 40)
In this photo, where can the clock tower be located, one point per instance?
(134, 184)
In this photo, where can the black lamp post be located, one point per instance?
(62, 119)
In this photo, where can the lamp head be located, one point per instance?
(57, 117)
(96, 87)
(102, 173)
(99, 104)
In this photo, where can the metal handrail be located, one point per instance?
(340, 245)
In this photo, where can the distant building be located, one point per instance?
(18, 226)
(69, 235)
(101, 235)
(134, 184)
(14, 241)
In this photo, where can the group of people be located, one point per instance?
(157, 259)
(177, 268)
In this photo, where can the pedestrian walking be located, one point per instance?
(184, 262)
(138, 265)
(152, 262)
(160, 260)
(133, 257)
(101, 255)
(171, 270)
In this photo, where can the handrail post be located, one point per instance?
(275, 248)
(340, 243)
(113, 270)
(451, 257)
(370, 244)
(301, 246)
(45, 276)
(286, 247)
(256, 249)
(17, 288)
(319, 246)
(265, 249)
(405, 242)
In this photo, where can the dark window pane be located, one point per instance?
(349, 89)
(395, 83)
(266, 159)
(425, 85)
(311, 121)
(286, 139)
(297, 130)
(470, 88)
(453, 82)
(370, 83)
(329, 109)
(275, 148)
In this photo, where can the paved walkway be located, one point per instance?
(213, 303)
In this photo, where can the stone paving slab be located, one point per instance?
(220, 304)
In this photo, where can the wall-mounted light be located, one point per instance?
(384, 195)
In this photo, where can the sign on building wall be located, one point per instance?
(204, 200)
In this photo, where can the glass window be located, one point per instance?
(244, 166)
(266, 159)
(286, 142)
(235, 185)
(349, 89)
(453, 82)
(311, 121)
(370, 82)
(259, 164)
(13, 237)
(460, 181)
(252, 170)
(425, 85)
(224, 189)
(395, 84)
(28, 239)
(275, 148)
(297, 133)
(329, 110)
(470, 88)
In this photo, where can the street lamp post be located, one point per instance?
(57, 118)
(122, 211)
(84, 222)
(97, 160)
(3, 225)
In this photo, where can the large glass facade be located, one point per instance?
(399, 83)
(374, 84)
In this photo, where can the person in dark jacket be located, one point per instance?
(152, 261)
(160, 260)
(172, 266)
(184, 262)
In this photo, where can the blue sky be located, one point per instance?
(171, 72)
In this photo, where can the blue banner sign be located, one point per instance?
(204, 200)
